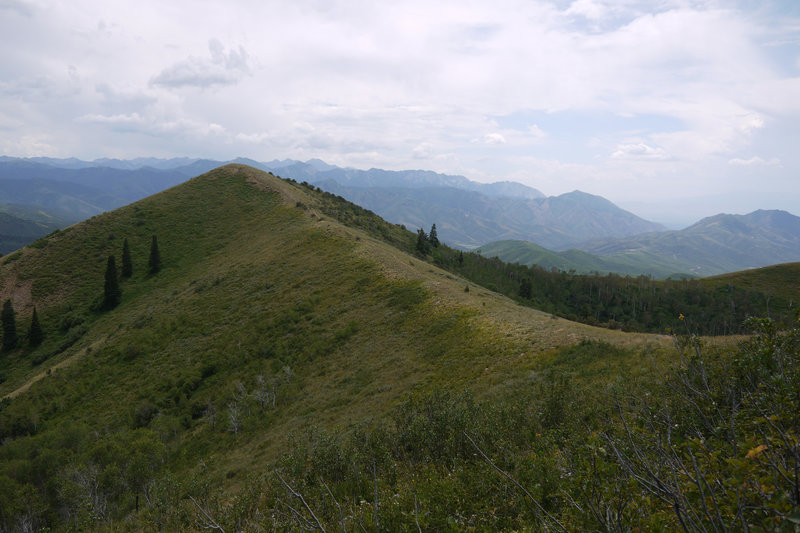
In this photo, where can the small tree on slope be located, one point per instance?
(112, 294)
(155, 257)
(127, 263)
(9, 326)
(35, 334)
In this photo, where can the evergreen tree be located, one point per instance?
(526, 289)
(112, 294)
(460, 257)
(9, 326)
(422, 242)
(127, 264)
(35, 334)
(434, 237)
(155, 257)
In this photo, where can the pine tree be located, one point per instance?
(422, 242)
(112, 294)
(155, 257)
(434, 237)
(35, 334)
(9, 326)
(127, 264)
(526, 289)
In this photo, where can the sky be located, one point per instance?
(674, 109)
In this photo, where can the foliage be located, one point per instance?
(9, 321)
(112, 293)
(154, 261)
(35, 333)
(127, 262)
(433, 237)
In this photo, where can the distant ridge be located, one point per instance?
(468, 214)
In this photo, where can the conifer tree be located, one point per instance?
(434, 237)
(35, 334)
(9, 326)
(526, 289)
(112, 294)
(155, 257)
(422, 242)
(127, 263)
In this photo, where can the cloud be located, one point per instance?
(422, 151)
(133, 118)
(494, 138)
(590, 9)
(16, 6)
(754, 161)
(640, 151)
(219, 69)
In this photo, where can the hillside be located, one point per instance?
(20, 225)
(528, 253)
(714, 245)
(287, 368)
(252, 285)
(468, 219)
(776, 280)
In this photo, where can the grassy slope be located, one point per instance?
(253, 283)
(777, 280)
(527, 253)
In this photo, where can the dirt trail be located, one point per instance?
(27, 385)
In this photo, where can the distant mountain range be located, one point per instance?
(467, 213)
(715, 245)
(573, 231)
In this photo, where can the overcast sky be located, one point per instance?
(673, 109)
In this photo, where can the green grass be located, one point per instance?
(776, 280)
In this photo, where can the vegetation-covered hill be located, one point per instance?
(528, 253)
(20, 225)
(469, 218)
(286, 368)
(714, 245)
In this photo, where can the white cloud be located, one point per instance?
(494, 138)
(219, 69)
(754, 161)
(590, 9)
(423, 151)
(639, 151)
(133, 118)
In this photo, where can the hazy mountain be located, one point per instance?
(528, 253)
(20, 225)
(718, 244)
(316, 171)
(469, 219)
(467, 214)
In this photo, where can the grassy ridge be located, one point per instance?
(258, 291)
(776, 280)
